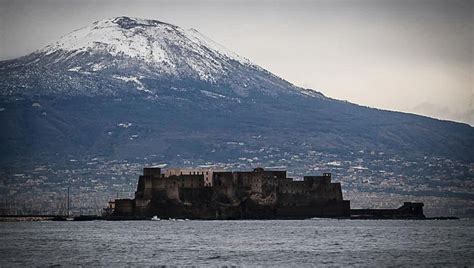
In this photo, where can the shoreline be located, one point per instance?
(39, 218)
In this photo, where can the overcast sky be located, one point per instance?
(407, 55)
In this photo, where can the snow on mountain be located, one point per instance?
(153, 42)
(130, 55)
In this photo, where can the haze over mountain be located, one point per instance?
(127, 87)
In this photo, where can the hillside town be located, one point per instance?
(369, 179)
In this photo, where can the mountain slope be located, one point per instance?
(127, 87)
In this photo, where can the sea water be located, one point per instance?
(318, 242)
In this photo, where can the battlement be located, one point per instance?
(206, 172)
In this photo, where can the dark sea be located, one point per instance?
(318, 242)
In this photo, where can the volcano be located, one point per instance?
(127, 88)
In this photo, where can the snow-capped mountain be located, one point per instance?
(164, 48)
(132, 53)
(127, 87)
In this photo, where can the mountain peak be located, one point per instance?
(126, 52)
(166, 48)
(131, 22)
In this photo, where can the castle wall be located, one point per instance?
(206, 172)
(200, 197)
(293, 187)
(259, 180)
(152, 171)
(315, 209)
(324, 179)
(124, 207)
(409, 210)
(224, 186)
(189, 181)
(330, 191)
(144, 187)
(141, 206)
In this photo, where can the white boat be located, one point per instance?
(155, 218)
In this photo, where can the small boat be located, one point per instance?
(155, 218)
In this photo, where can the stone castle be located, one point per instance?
(212, 194)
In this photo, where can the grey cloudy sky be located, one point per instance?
(404, 55)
